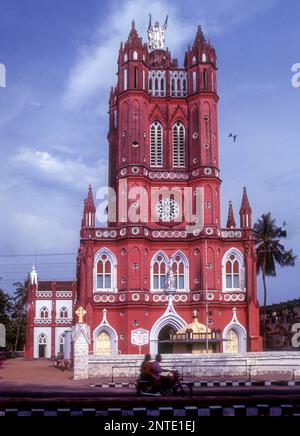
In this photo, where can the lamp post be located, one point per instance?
(206, 292)
(170, 285)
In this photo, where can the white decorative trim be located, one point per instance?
(42, 321)
(104, 298)
(239, 330)
(207, 171)
(106, 234)
(43, 294)
(231, 234)
(228, 296)
(64, 294)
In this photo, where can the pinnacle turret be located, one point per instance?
(231, 221)
(200, 39)
(245, 211)
(89, 210)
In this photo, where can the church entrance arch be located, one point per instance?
(161, 331)
(164, 335)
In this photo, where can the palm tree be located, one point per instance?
(270, 252)
(20, 300)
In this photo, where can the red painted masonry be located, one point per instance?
(187, 96)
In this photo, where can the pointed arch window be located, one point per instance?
(159, 268)
(178, 145)
(135, 55)
(233, 271)
(156, 144)
(42, 339)
(194, 81)
(105, 271)
(115, 119)
(63, 313)
(159, 271)
(205, 79)
(125, 79)
(44, 313)
(136, 77)
(181, 271)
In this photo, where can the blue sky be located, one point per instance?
(61, 59)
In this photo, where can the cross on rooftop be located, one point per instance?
(80, 312)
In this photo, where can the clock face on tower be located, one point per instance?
(167, 209)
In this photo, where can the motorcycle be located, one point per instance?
(170, 384)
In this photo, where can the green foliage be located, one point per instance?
(13, 316)
(269, 249)
(270, 253)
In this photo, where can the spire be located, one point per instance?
(134, 38)
(200, 39)
(245, 201)
(245, 211)
(231, 221)
(89, 210)
(90, 205)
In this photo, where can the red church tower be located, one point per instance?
(163, 158)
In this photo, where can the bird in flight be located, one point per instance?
(234, 137)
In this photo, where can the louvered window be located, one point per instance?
(156, 144)
(178, 145)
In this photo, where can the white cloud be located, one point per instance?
(96, 65)
(49, 168)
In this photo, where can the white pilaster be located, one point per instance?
(81, 340)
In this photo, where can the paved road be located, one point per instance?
(26, 385)
(102, 398)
